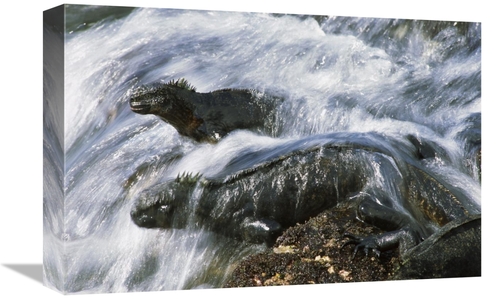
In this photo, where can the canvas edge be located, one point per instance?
(53, 148)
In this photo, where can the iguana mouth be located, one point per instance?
(139, 106)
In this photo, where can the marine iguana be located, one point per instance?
(258, 203)
(297, 180)
(206, 117)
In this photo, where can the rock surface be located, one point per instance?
(312, 253)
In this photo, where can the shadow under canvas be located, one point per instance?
(33, 271)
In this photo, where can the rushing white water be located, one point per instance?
(336, 75)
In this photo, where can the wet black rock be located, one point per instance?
(454, 251)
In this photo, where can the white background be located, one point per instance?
(21, 146)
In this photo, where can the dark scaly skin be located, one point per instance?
(205, 117)
(257, 204)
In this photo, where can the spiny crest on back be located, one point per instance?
(187, 178)
(182, 83)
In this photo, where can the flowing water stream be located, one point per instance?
(336, 74)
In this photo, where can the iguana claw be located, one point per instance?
(365, 243)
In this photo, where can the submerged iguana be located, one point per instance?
(299, 179)
(206, 117)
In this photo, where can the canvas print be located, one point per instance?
(188, 149)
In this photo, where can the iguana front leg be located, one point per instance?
(378, 243)
(402, 231)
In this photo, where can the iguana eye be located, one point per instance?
(164, 208)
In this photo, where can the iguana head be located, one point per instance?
(165, 205)
(173, 103)
(158, 99)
